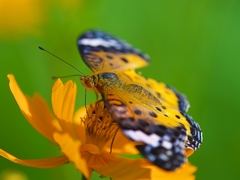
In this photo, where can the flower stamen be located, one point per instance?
(99, 125)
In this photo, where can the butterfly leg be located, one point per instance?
(96, 96)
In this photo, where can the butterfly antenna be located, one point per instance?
(73, 75)
(41, 48)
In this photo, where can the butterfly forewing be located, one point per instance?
(103, 52)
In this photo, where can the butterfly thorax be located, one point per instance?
(98, 82)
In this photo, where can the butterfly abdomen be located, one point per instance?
(141, 93)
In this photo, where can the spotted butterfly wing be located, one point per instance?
(166, 100)
(103, 52)
(146, 111)
(165, 131)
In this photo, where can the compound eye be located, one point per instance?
(109, 76)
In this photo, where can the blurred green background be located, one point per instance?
(193, 45)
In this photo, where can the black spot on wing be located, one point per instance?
(124, 60)
(109, 57)
(153, 114)
(137, 111)
(159, 109)
(177, 116)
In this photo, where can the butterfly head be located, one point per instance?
(98, 81)
(88, 82)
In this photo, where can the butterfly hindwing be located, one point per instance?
(173, 104)
(103, 52)
(162, 145)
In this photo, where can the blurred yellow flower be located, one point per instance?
(12, 175)
(18, 18)
(91, 141)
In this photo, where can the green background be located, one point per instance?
(193, 45)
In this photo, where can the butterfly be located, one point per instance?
(147, 111)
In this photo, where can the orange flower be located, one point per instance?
(90, 141)
(19, 18)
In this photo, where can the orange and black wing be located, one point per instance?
(162, 126)
(103, 52)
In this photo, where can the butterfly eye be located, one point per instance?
(108, 76)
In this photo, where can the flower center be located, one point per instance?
(100, 127)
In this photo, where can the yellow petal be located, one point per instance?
(124, 169)
(35, 110)
(72, 149)
(79, 129)
(63, 102)
(38, 163)
(185, 172)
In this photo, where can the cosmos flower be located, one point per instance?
(23, 18)
(90, 140)
(18, 18)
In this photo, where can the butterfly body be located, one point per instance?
(98, 82)
(147, 111)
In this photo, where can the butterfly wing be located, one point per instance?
(172, 102)
(161, 91)
(161, 126)
(102, 52)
